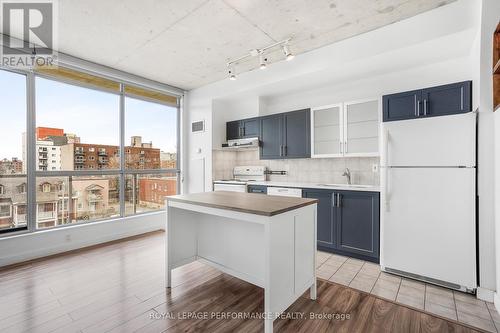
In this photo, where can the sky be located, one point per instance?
(90, 114)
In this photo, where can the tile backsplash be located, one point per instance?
(320, 170)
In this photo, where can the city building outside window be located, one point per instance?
(46, 188)
(5, 211)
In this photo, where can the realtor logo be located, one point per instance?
(29, 33)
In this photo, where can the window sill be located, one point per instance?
(25, 233)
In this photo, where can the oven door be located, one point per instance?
(230, 187)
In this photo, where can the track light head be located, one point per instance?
(261, 53)
(262, 61)
(286, 51)
(231, 72)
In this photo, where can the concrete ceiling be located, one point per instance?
(186, 43)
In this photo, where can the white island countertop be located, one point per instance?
(325, 186)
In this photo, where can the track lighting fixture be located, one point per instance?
(286, 51)
(231, 72)
(262, 61)
(285, 48)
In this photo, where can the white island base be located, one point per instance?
(276, 252)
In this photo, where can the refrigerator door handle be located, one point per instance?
(387, 198)
(385, 147)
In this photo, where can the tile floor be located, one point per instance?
(367, 277)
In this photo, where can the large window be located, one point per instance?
(96, 149)
(12, 160)
(77, 128)
(152, 131)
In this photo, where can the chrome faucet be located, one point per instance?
(347, 173)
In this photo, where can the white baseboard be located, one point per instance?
(485, 294)
(496, 301)
(35, 245)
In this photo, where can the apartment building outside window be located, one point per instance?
(91, 147)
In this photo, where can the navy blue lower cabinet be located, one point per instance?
(358, 224)
(325, 229)
(348, 222)
(257, 189)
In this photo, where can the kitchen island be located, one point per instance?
(267, 241)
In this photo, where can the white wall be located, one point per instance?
(29, 246)
(490, 15)
(489, 150)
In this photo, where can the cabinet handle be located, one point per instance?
(338, 200)
(418, 109)
(285, 150)
(462, 98)
(425, 107)
(334, 199)
(345, 147)
(281, 150)
(341, 145)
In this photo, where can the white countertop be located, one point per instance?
(344, 187)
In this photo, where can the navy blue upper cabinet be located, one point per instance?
(271, 137)
(448, 99)
(246, 128)
(430, 102)
(233, 130)
(286, 135)
(401, 106)
(358, 223)
(251, 127)
(283, 135)
(325, 222)
(297, 139)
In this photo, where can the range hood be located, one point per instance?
(242, 143)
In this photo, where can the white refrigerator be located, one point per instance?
(428, 206)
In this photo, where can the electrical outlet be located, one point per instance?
(375, 168)
(68, 238)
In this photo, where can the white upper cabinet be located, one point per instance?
(361, 126)
(326, 131)
(345, 129)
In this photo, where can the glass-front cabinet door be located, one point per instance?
(345, 129)
(327, 131)
(361, 128)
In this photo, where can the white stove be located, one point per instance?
(242, 175)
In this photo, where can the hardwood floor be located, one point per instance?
(119, 287)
